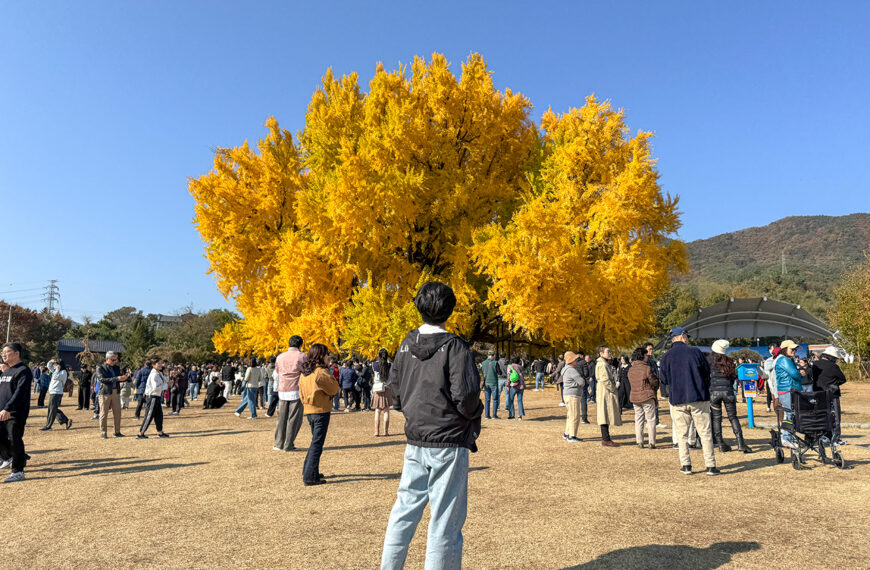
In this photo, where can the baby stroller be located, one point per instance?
(814, 418)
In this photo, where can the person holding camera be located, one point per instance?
(110, 380)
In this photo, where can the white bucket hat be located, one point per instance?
(721, 346)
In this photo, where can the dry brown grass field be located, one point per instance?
(215, 495)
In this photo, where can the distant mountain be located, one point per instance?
(749, 262)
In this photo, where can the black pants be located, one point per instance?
(319, 424)
(605, 432)
(273, 402)
(177, 399)
(154, 411)
(367, 398)
(140, 404)
(54, 411)
(12, 443)
(85, 395)
(96, 398)
(349, 396)
(261, 397)
(42, 393)
(730, 402)
(769, 395)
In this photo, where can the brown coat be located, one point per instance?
(643, 383)
(607, 400)
(316, 391)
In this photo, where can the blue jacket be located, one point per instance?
(44, 381)
(347, 377)
(142, 379)
(787, 375)
(193, 376)
(687, 373)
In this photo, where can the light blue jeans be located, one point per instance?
(249, 400)
(438, 476)
(539, 381)
(788, 418)
(502, 392)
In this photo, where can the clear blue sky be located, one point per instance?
(759, 111)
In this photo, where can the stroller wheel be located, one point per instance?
(796, 462)
(837, 459)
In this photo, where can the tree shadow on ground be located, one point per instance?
(38, 451)
(673, 557)
(111, 467)
(366, 445)
(206, 433)
(350, 478)
(543, 419)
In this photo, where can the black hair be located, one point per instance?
(253, 361)
(316, 358)
(516, 360)
(148, 363)
(61, 364)
(295, 341)
(14, 347)
(384, 364)
(435, 302)
(639, 353)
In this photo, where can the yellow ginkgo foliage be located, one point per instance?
(562, 234)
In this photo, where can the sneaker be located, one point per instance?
(840, 442)
(268, 415)
(6, 464)
(95, 417)
(565, 436)
(253, 418)
(695, 445)
(237, 414)
(488, 417)
(768, 409)
(676, 446)
(119, 434)
(46, 428)
(572, 439)
(641, 445)
(713, 471)
(162, 436)
(661, 426)
(686, 469)
(652, 446)
(536, 390)
(16, 476)
(496, 417)
(561, 404)
(609, 444)
(141, 436)
(584, 422)
(276, 448)
(103, 436)
(68, 424)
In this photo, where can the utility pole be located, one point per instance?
(9, 324)
(52, 294)
(783, 263)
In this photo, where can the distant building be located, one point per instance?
(68, 348)
(163, 321)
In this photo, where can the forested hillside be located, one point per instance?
(748, 263)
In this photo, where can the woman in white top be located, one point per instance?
(59, 377)
(253, 381)
(155, 386)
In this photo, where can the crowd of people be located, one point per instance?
(436, 382)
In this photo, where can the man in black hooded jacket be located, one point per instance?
(435, 378)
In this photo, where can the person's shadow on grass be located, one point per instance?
(673, 557)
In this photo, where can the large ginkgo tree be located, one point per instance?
(557, 234)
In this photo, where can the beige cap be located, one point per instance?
(570, 357)
(788, 344)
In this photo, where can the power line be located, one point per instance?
(22, 290)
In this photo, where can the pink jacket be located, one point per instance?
(288, 365)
